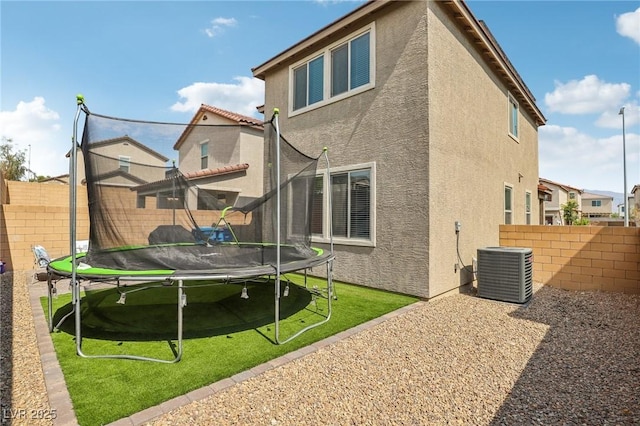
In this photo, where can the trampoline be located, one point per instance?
(151, 223)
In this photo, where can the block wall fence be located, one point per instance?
(589, 258)
(38, 214)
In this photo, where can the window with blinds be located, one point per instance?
(340, 70)
(352, 213)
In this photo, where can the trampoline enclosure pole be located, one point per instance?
(276, 113)
(73, 176)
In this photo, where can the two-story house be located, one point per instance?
(226, 161)
(596, 205)
(432, 136)
(560, 195)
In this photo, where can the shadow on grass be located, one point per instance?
(151, 314)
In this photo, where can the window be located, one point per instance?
(513, 117)
(204, 155)
(124, 163)
(508, 210)
(596, 203)
(353, 206)
(572, 195)
(527, 208)
(309, 83)
(341, 70)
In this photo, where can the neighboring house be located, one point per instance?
(130, 155)
(545, 194)
(596, 205)
(560, 194)
(227, 162)
(427, 125)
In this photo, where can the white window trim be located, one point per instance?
(124, 159)
(326, 186)
(511, 99)
(528, 214)
(504, 208)
(200, 157)
(327, 98)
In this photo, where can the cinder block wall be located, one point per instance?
(581, 257)
(38, 214)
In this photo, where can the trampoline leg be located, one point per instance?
(182, 301)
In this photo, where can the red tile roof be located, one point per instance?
(240, 119)
(216, 172)
(194, 175)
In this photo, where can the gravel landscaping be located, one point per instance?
(565, 358)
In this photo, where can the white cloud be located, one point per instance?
(586, 96)
(612, 119)
(218, 25)
(577, 159)
(32, 124)
(628, 25)
(242, 97)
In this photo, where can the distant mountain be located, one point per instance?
(618, 197)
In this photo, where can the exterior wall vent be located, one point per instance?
(505, 273)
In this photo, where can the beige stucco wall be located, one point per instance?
(471, 155)
(435, 125)
(384, 125)
(139, 160)
(604, 208)
(228, 146)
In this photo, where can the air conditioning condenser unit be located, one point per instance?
(505, 273)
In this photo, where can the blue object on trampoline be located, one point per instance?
(211, 233)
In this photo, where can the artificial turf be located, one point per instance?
(224, 334)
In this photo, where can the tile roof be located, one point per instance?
(239, 118)
(561, 185)
(199, 174)
(242, 120)
(216, 172)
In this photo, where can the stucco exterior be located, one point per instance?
(229, 144)
(596, 205)
(434, 125)
(560, 195)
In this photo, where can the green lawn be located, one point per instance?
(223, 335)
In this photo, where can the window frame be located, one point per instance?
(326, 186)
(326, 53)
(513, 118)
(596, 203)
(527, 207)
(124, 161)
(204, 157)
(504, 204)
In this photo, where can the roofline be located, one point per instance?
(367, 8)
(125, 138)
(561, 185)
(474, 29)
(589, 195)
(241, 120)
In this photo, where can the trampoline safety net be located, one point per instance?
(209, 212)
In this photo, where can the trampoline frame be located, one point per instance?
(180, 277)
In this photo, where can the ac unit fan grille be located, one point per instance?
(505, 273)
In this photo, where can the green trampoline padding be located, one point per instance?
(188, 260)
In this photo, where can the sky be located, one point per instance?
(159, 60)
